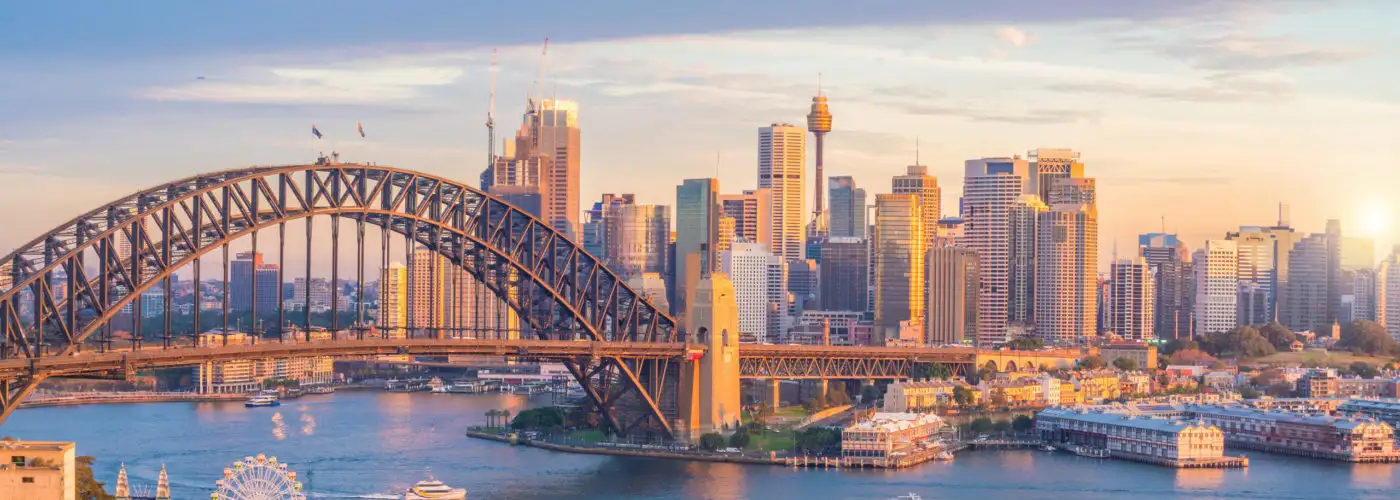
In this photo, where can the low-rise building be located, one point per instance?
(1098, 386)
(1138, 383)
(1220, 381)
(1298, 405)
(1143, 355)
(1385, 410)
(1133, 436)
(903, 397)
(38, 469)
(1020, 393)
(888, 437)
(1317, 436)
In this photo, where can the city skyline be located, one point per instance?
(1156, 133)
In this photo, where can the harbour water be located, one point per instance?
(375, 444)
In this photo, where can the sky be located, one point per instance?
(1195, 116)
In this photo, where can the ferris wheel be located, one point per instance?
(258, 478)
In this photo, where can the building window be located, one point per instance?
(27, 480)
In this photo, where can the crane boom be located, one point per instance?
(491, 117)
(539, 79)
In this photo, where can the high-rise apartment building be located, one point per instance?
(638, 236)
(950, 315)
(899, 262)
(697, 234)
(1217, 286)
(991, 186)
(844, 272)
(392, 317)
(781, 163)
(1067, 242)
(1131, 299)
(1048, 164)
(1359, 299)
(760, 290)
(1024, 218)
(750, 211)
(1334, 270)
(918, 182)
(317, 296)
(247, 272)
(846, 217)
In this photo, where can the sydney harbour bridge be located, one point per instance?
(627, 354)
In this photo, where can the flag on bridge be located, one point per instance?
(315, 132)
(361, 129)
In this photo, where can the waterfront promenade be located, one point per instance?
(91, 398)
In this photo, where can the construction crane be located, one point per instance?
(537, 104)
(539, 78)
(491, 115)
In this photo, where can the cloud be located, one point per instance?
(1241, 52)
(366, 85)
(1012, 35)
(1032, 116)
(1218, 87)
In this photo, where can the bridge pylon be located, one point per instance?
(709, 385)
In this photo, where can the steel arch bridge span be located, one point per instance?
(557, 288)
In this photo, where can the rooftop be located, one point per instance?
(890, 422)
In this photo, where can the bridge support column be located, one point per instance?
(773, 394)
(710, 385)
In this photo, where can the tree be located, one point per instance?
(934, 370)
(1247, 392)
(869, 394)
(1280, 336)
(1179, 344)
(548, 417)
(1366, 337)
(1252, 344)
(1190, 357)
(981, 425)
(1026, 344)
(1125, 364)
(1022, 423)
(88, 487)
(962, 395)
(711, 441)
(740, 439)
(1363, 369)
(1001, 426)
(998, 397)
(819, 440)
(764, 411)
(1093, 362)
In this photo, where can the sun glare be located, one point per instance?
(1375, 217)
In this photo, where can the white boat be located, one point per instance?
(262, 400)
(1047, 448)
(943, 456)
(432, 489)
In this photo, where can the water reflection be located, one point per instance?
(1373, 476)
(713, 480)
(1199, 479)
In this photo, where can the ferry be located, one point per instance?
(432, 489)
(262, 400)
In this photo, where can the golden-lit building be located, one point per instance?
(914, 396)
(887, 436)
(899, 262)
(1144, 355)
(38, 470)
(1098, 386)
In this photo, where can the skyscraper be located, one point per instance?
(559, 139)
(950, 315)
(638, 236)
(916, 181)
(1020, 281)
(1334, 270)
(1131, 299)
(247, 271)
(899, 262)
(1174, 278)
(750, 211)
(393, 301)
(1048, 164)
(846, 217)
(759, 289)
(697, 212)
(1310, 286)
(595, 231)
(990, 187)
(781, 152)
(804, 284)
(844, 272)
(1217, 286)
(1256, 253)
(1388, 293)
(1066, 286)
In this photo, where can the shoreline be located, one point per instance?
(129, 398)
(623, 452)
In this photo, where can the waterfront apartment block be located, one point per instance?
(886, 438)
(1315, 436)
(1140, 437)
(38, 469)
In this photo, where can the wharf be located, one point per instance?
(1205, 463)
(1369, 458)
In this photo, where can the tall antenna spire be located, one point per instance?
(916, 150)
(819, 83)
(491, 118)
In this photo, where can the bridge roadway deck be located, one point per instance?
(755, 360)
